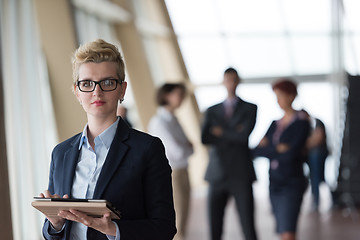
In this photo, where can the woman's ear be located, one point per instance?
(123, 90)
(292, 97)
(76, 92)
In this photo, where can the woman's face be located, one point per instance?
(99, 103)
(284, 99)
(175, 98)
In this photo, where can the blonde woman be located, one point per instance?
(109, 160)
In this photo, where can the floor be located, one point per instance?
(327, 223)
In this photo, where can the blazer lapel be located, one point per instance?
(220, 113)
(113, 159)
(70, 161)
(237, 107)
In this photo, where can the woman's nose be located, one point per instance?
(97, 90)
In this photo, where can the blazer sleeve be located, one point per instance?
(206, 136)
(268, 151)
(157, 189)
(46, 227)
(296, 141)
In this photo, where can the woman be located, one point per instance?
(284, 145)
(178, 148)
(109, 160)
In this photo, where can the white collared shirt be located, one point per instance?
(88, 170)
(177, 146)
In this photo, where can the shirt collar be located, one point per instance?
(163, 112)
(231, 101)
(106, 137)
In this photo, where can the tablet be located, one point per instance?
(92, 207)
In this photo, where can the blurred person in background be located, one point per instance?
(178, 148)
(284, 145)
(317, 154)
(230, 172)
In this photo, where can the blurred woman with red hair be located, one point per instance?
(283, 145)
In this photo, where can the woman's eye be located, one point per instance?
(86, 84)
(108, 82)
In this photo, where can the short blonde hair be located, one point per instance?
(97, 51)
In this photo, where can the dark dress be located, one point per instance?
(287, 180)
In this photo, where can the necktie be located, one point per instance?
(228, 110)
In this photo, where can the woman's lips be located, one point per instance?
(98, 103)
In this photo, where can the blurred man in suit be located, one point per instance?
(226, 129)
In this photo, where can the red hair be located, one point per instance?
(286, 85)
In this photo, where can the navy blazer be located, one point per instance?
(230, 156)
(289, 166)
(135, 178)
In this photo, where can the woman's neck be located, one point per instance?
(171, 109)
(288, 115)
(97, 125)
(290, 111)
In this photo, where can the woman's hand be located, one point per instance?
(103, 224)
(56, 222)
(264, 142)
(282, 147)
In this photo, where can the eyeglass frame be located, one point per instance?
(99, 83)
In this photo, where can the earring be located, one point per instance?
(121, 100)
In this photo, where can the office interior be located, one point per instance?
(316, 43)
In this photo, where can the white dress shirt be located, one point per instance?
(87, 173)
(177, 147)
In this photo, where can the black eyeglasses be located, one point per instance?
(105, 85)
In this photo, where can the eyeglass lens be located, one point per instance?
(105, 85)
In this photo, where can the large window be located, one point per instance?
(352, 36)
(266, 39)
(260, 38)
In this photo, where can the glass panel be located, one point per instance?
(307, 15)
(210, 95)
(318, 100)
(352, 16)
(238, 16)
(268, 110)
(29, 117)
(268, 53)
(352, 54)
(260, 56)
(193, 16)
(205, 59)
(312, 54)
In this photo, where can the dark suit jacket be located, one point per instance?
(230, 158)
(135, 178)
